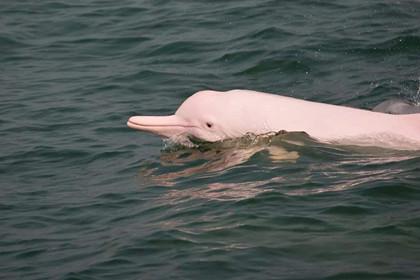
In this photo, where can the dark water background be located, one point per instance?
(84, 197)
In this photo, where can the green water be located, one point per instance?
(84, 197)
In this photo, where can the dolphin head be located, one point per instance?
(207, 115)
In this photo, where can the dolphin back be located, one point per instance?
(397, 107)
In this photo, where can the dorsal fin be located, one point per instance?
(397, 107)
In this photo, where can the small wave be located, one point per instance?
(239, 56)
(180, 47)
(269, 33)
(392, 189)
(278, 66)
(98, 41)
(398, 45)
(368, 275)
(9, 45)
(347, 210)
(125, 12)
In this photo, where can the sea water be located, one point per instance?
(84, 197)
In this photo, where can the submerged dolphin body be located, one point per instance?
(397, 106)
(214, 116)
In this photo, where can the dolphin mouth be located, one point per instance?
(166, 126)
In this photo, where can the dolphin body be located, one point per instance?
(215, 116)
(397, 106)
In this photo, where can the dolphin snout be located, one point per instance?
(166, 126)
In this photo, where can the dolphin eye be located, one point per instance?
(209, 125)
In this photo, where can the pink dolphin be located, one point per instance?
(215, 116)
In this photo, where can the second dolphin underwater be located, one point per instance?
(215, 116)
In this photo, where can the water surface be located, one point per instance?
(84, 197)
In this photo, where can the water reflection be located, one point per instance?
(359, 166)
(224, 191)
(291, 164)
(209, 158)
(343, 180)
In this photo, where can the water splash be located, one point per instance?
(416, 98)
